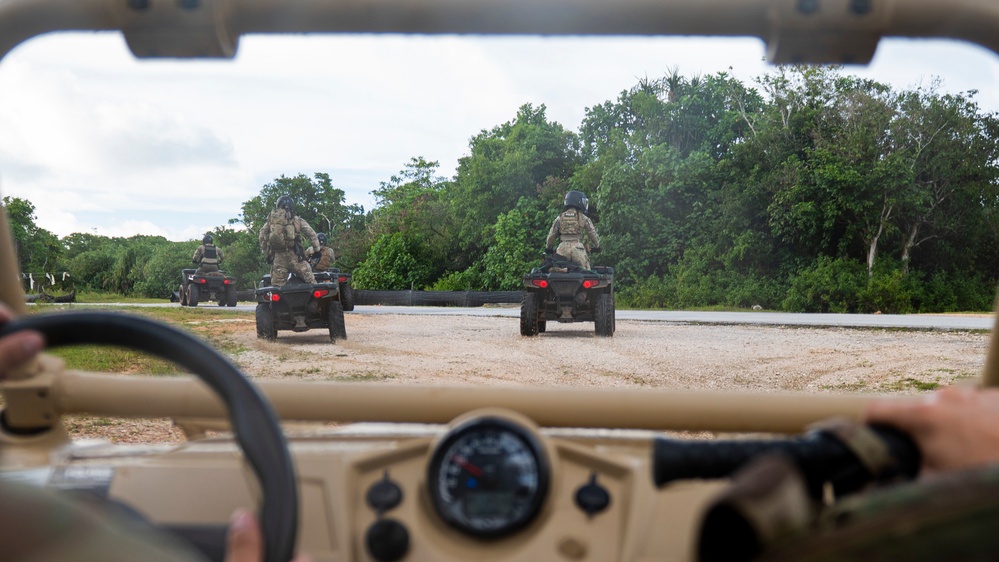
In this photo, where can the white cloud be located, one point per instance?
(97, 140)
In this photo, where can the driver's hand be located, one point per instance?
(955, 427)
(17, 349)
(245, 540)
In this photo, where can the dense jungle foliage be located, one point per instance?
(810, 190)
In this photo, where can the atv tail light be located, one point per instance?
(589, 283)
(543, 283)
(342, 279)
(320, 293)
(202, 281)
(225, 281)
(275, 297)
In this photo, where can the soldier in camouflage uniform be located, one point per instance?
(950, 513)
(321, 259)
(279, 241)
(207, 257)
(573, 229)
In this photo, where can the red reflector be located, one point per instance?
(342, 279)
(587, 284)
(202, 281)
(320, 293)
(543, 283)
(225, 281)
(275, 297)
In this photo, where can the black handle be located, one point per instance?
(819, 455)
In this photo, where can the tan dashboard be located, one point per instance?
(488, 486)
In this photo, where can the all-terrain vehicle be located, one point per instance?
(562, 291)
(343, 278)
(299, 306)
(211, 287)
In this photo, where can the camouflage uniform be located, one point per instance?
(325, 260)
(208, 257)
(573, 228)
(277, 240)
(952, 516)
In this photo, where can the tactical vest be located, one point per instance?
(284, 231)
(325, 261)
(570, 227)
(211, 256)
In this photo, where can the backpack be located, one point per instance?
(283, 231)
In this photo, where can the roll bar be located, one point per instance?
(815, 31)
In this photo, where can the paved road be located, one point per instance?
(910, 321)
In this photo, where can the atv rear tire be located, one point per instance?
(192, 295)
(529, 314)
(230, 295)
(334, 320)
(183, 296)
(347, 297)
(603, 317)
(265, 322)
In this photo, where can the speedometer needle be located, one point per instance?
(471, 468)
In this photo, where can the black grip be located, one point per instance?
(819, 455)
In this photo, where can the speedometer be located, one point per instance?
(488, 477)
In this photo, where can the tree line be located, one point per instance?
(807, 190)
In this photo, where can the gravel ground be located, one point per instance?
(490, 351)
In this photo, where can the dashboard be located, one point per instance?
(489, 485)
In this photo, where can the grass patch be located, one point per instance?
(104, 359)
(111, 297)
(859, 386)
(910, 383)
(362, 377)
(202, 323)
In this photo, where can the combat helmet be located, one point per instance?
(322, 238)
(287, 203)
(207, 239)
(578, 200)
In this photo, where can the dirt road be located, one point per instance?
(490, 351)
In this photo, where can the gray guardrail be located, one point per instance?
(436, 298)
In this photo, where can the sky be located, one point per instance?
(102, 143)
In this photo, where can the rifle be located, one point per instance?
(299, 250)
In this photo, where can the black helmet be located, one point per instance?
(287, 203)
(207, 239)
(578, 200)
(322, 238)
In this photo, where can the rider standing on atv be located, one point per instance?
(572, 227)
(279, 242)
(207, 257)
(321, 259)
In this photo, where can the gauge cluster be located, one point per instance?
(488, 477)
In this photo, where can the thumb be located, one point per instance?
(244, 541)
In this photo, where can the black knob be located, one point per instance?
(388, 540)
(592, 497)
(384, 495)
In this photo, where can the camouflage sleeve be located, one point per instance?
(219, 252)
(308, 233)
(591, 233)
(265, 234)
(198, 253)
(553, 233)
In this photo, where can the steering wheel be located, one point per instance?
(254, 422)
